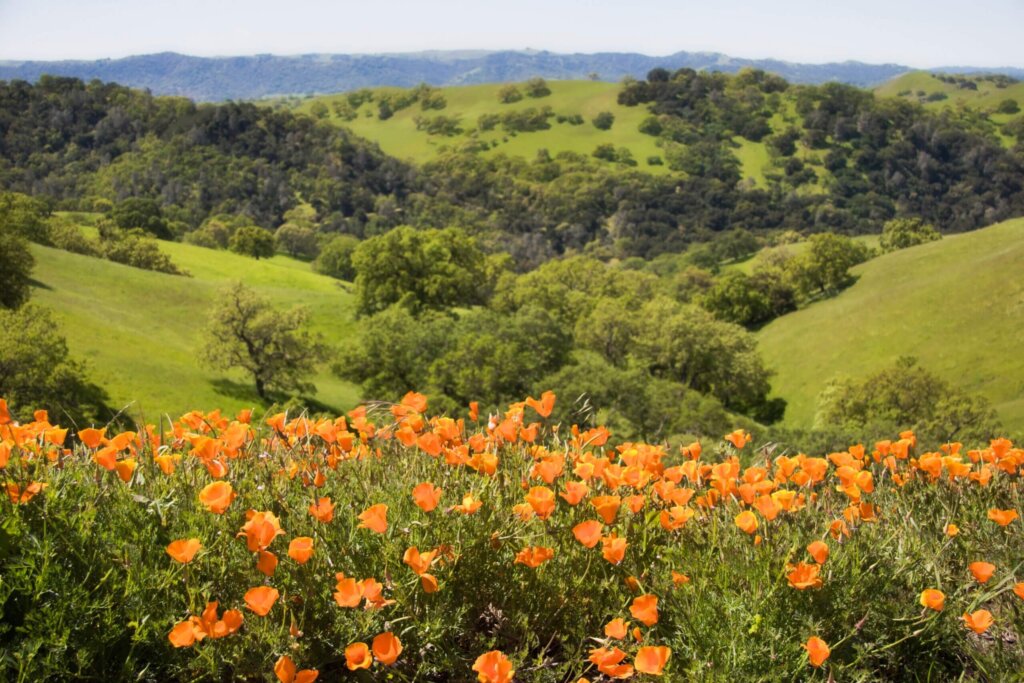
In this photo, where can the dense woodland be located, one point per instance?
(869, 160)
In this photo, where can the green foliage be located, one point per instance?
(736, 298)
(133, 248)
(421, 269)
(604, 120)
(900, 233)
(297, 241)
(65, 234)
(447, 126)
(509, 94)
(688, 345)
(335, 258)
(16, 264)
(142, 213)
(273, 346)
(36, 370)
(908, 396)
(1008, 106)
(537, 87)
(253, 241)
(24, 217)
(824, 268)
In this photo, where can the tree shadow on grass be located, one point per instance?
(246, 392)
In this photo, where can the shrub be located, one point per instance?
(901, 233)
(509, 94)
(604, 120)
(335, 259)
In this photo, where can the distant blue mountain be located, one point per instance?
(242, 78)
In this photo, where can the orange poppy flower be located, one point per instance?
(429, 583)
(358, 656)
(322, 510)
(607, 507)
(616, 628)
(613, 548)
(746, 521)
(348, 592)
(545, 405)
(260, 530)
(266, 562)
(675, 517)
(978, 621)
(575, 492)
(218, 627)
(819, 551)
(1002, 517)
(91, 437)
(542, 500)
(125, 468)
(469, 504)
(375, 518)
(651, 660)
(19, 497)
(185, 634)
(609, 662)
(417, 561)
(261, 599)
(933, 598)
(534, 556)
(645, 609)
(493, 667)
(803, 576)
(817, 650)
(387, 648)
(738, 438)
(982, 571)
(952, 530)
(679, 579)
(426, 496)
(1018, 590)
(588, 533)
(301, 549)
(216, 497)
(184, 550)
(285, 671)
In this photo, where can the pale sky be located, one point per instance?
(918, 33)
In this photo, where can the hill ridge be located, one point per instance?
(265, 75)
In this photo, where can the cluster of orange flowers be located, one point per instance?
(576, 470)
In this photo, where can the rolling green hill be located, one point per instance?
(922, 86)
(957, 305)
(140, 331)
(398, 136)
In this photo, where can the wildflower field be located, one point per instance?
(390, 545)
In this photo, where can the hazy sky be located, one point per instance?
(915, 32)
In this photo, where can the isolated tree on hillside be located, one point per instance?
(273, 346)
(15, 269)
(252, 240)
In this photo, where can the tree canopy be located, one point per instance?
(273, 346)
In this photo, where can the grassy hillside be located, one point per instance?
(140, 331)
(957, 305)
(987, 96)
(398, 135)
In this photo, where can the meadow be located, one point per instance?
(955, 304)
(399, 137)
(140, 331)
(499, 548)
